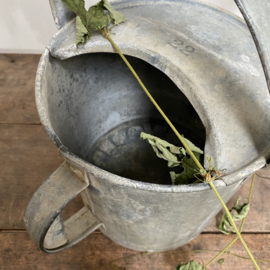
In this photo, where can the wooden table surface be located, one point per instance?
(28, 157)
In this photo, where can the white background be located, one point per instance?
(26, 26)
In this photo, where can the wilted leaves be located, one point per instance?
(92, 19)
(176, 156)
(165, 150)
(96, 19)
(187, 175)
(221, 261)
(238, 212)
(77, 6)
(82, 34)
(116, 16)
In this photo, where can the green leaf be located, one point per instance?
(77, 6)
(155, 140)
(192, 265)
(87, 21)
(164, 149)
(96, 19)
(238, 212)
(192, 147)
(174, 178)
(181, 178)
(82, 35)
(173, 155)
(241, 210)
(221, 261)
(190, 169)
(116, 16)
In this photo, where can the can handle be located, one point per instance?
(43, 218)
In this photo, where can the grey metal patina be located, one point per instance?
(83, 93)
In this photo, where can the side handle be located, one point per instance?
(43, 219)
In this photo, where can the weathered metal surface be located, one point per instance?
(61, 14)
(83, 93)
(256, 15)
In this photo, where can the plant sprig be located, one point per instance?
(95, 18)
(241, 227)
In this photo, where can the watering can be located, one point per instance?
(203, 68)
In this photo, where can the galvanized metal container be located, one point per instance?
(201, 64)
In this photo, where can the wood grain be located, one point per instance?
(17, 83)
(97, 252)
(27, 158)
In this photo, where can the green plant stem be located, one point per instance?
(241, 227)
(107, 36)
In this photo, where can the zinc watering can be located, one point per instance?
(202, 66)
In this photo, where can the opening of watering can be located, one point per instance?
(98, 111)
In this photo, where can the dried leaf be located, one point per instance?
(190, 169)
(192, 147)
(116, 16)
(174, 176)
(93, 19)
(82, 34)
(238, 212)
(176, 156)
(192, 265)
(221, 261)
(77, 6)
(174, 149)
(155, 140)
(96, 19)
(165, 150)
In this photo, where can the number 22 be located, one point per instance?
(180, 46)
